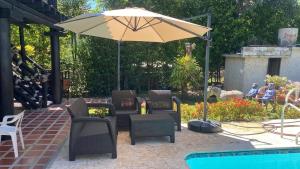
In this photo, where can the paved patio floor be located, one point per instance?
(152, 153)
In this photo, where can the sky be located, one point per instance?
(92, 4)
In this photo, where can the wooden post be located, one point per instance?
(6, 76)
(55, 66)
(22, 43)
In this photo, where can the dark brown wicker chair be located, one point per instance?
(161, 101)
(91, 135)
(125, 103)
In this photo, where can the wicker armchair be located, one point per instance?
(161, 101)
(125, 103)
(91, 135)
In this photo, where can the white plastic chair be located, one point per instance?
(12, 131)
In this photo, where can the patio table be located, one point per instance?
(151, 125)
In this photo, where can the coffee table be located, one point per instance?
(151, 125)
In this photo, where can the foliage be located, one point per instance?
(186, 74)
(229, 110)
(34, 36)
(291, 114)
(98, 111)
(189, 112)
(30, 51)
(145, 66)
(277, 80)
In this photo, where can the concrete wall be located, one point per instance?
(290, 67)
(234, 72)
(255, 72)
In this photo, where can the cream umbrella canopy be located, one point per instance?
(133, 24)
(138, 24)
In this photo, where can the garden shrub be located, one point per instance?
(278, 81)
(291, 114)
(186, 74)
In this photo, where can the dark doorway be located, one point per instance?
(274, 66)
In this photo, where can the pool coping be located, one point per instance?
(283, 150)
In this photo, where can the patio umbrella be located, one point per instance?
(134, 24)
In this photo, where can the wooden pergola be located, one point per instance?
(21, 13)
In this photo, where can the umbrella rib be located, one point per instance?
(126, 27)
(186, 30)
(147, 24)
(138, 21)
(95, 26)
(68, 21)
(124, 23)
(128, 22)
(155, 31)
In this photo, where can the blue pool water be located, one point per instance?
(253, 159)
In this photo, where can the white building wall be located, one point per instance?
(255, 72)
(234, 72)
(290, 66)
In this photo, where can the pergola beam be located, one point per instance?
(6, 75)
(55, 66)
(42, 13)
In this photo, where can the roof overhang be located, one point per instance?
(32, 11)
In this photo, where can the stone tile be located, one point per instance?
(4, 167)
(39, 147)
(33, 153)
(11, 155)
(8, 161)
(22, 167)
(5, 147)
(26, 161)
(39, 167)
(49, 153)
(44, 161)
(47, 141)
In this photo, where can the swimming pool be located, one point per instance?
(250, 159)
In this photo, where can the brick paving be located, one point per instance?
(44, 132)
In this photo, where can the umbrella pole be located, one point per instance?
(204, 125)
(119, 53)
(206, 68)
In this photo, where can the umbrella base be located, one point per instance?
(204, 126)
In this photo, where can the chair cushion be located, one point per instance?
(160, 104)
(124, 99)
(160, 99)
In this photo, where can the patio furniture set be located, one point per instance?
(95, 135)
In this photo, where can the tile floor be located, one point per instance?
(44, 130)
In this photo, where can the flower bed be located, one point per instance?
(229, 110)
